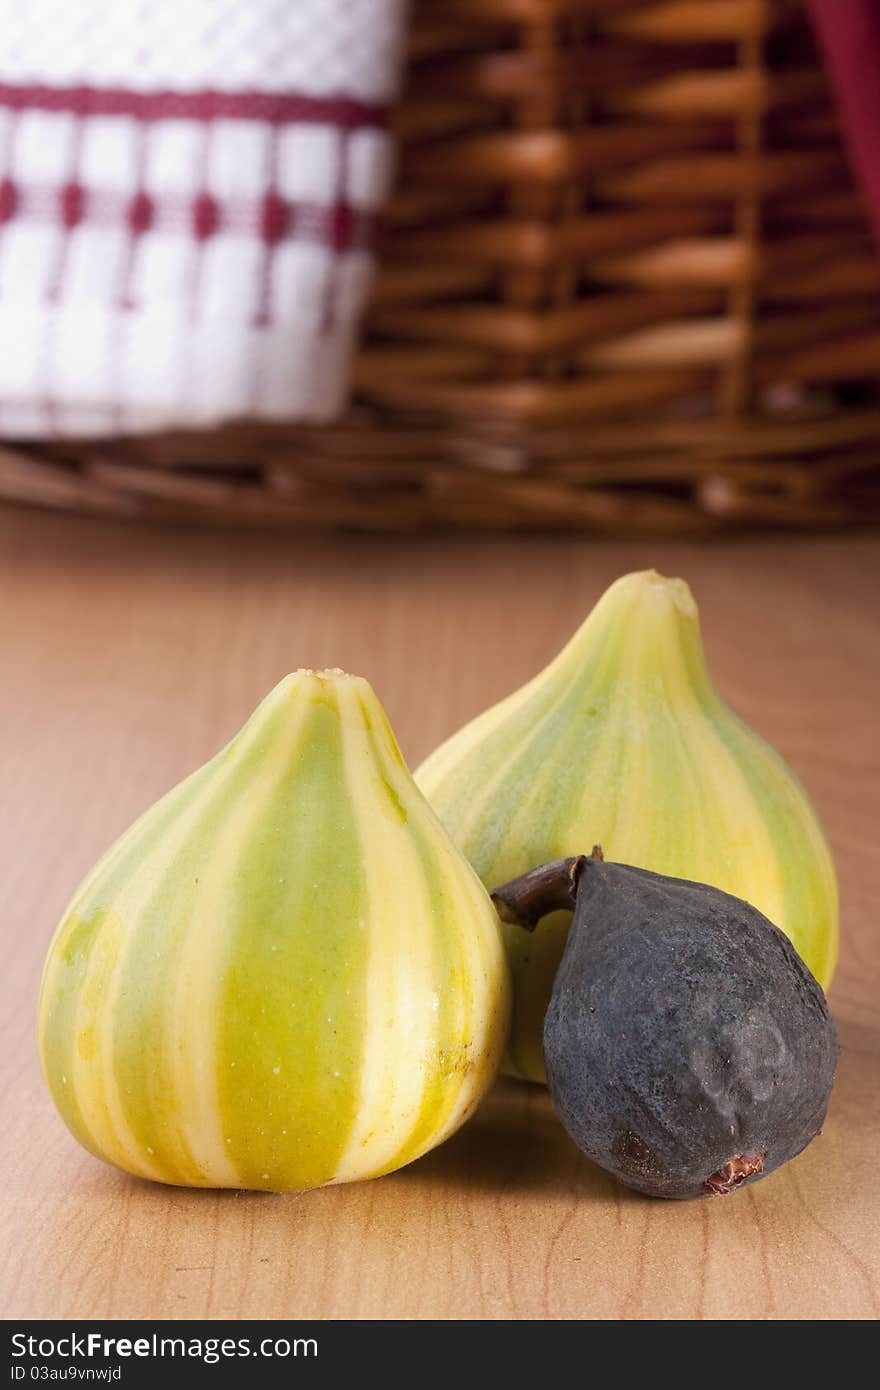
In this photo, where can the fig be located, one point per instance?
(284, 974)
(624, 740)
(688, 1049)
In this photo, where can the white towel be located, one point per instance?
(187, 194)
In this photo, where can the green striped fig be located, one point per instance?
(284, 974)
(623, 741)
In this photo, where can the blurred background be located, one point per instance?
(625, 281)
(351, 333)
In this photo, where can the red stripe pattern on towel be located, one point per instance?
(187, 201)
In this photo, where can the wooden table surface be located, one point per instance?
(128, 656)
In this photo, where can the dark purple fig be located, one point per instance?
(688, 1049)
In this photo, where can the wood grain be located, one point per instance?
(128, 656)
(621, 229)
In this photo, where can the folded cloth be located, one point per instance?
(849, 31)
(187, 195)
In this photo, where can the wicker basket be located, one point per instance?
(627, 285)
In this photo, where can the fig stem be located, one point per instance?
(525, 900)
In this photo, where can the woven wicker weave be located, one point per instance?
(627, 285)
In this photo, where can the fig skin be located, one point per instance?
(623, 739)
(689, 1051)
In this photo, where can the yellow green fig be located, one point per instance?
(623, 741)
(284, 974)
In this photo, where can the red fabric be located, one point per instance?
(276, 108)
(187, 196)
(849, 31)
